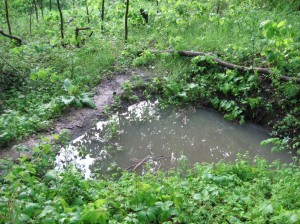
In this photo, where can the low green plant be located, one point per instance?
(74, 98)
(33, 191)
(144, 59)
(128, 93)
(241, 95)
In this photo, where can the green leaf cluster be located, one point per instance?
(241, 192)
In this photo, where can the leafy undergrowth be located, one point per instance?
(54, 80)
(33, 192)
(241, 96)
(32, 76)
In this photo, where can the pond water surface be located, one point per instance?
(162, 138)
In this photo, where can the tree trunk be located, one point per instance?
(7, 17)
(102, 14)
(157, 6)
(42, 8)
(61, 20)
(126, 20)
(218, 7)
(30, 22)
(87, 11)
(36, 11)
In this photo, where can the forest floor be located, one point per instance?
(77, 121)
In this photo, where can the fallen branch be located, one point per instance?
(18, 39)
(135, 166)
(80, 28)
(77, 33)
(140, 162)
(227, 64)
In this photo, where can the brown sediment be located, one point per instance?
(77, 121)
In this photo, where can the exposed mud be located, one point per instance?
(77, 121)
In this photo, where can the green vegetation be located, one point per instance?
(33, 192)
(43, 74)
(240, 95)
(34, 75)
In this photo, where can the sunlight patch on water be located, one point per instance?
(162, 138)
(76, 154)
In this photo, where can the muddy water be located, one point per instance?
(167, 136)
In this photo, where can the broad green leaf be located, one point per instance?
(47, 210)
(142, 216)
(75, 217)
(67, 100)
(87, 101)
(51, 175)
(61, 201)
(95, 216)
(197, 196)
(23, 195)
(49, 221)
(78, 103)
(267, 208)
(33, 76)
(294, 218)
(99, 203)
(234, 220)
(182, 94)
(67, 84)
(42, 74)
(3, 134)
(192, 85)
(151, 215)
(70, 90)
(30, 208)
(281, 24)
(24, 218)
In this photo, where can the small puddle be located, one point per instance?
(162, 138)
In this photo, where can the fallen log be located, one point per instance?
(226, 64)
(18, 39)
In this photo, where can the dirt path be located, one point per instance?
(77, 121)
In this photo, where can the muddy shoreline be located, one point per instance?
(77, 121)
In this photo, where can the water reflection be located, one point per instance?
(162, 137)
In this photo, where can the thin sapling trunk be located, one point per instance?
(36, 11)
(42, 8)
(87, 11)
(126, 20)
(7, 17)
(61, 20)
(102, 14)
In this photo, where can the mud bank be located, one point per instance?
(77, 121)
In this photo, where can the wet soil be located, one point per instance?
(77, 121)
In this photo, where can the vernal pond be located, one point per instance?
(146, 137)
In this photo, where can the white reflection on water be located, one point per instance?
(201, 135)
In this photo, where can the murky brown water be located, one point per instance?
(200, 135)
